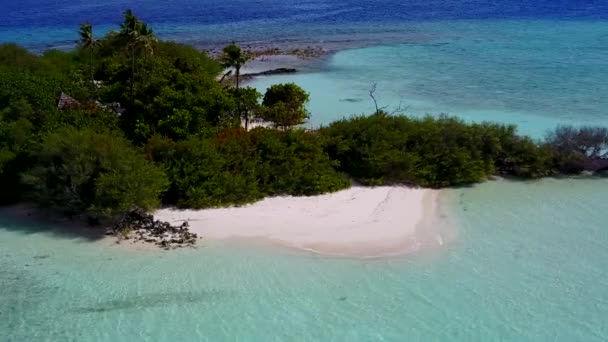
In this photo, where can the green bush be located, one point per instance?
(431, 152)
(20, 59)
(83, 172)
(285, 105)
(235, 167)
(214, 172)
(294, 163)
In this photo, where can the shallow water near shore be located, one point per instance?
(535, 74)
(529, 261)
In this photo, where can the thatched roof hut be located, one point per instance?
(66, 101)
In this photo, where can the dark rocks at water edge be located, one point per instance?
(279, 71)
(138, 225)
(265, 50)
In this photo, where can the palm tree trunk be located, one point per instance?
(238, 74)
(91, 66)
(132, 74)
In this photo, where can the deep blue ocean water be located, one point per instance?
(44, 23)
(528, 260)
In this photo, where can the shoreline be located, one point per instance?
(275, 62)
(358, 222)
(272, 62)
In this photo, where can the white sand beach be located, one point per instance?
(359, 221)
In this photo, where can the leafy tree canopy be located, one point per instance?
(97, 174)
(73, 124)
(285, 105)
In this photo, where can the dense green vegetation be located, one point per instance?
(99, 174)
(432, 152)
(236, 167)
(130, 121)
(445, 151)
(285, 105)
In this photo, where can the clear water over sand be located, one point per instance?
(529, 258)
(528, 264)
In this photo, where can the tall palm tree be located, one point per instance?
(130, 21)
(88, 42)
(145, 39)
(234, 57)
(137, 37)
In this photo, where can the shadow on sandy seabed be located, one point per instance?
(28, 220)
(139, 302)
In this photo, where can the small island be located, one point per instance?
(126, 123)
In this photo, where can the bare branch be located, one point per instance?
(372, 90)
(591, 142)
(400, 109)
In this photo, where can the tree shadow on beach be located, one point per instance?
(33, 221)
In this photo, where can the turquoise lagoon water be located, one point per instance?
(528, 264)
(532, 73)
(528, 260)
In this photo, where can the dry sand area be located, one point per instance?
(360, 221)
